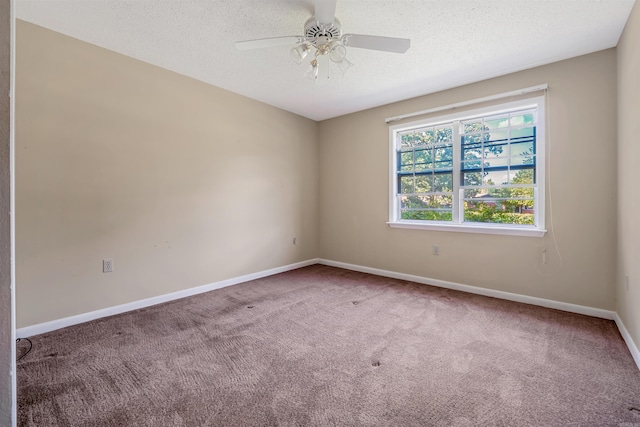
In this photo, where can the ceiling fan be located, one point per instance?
(323, 39)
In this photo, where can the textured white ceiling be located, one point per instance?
(453, 42)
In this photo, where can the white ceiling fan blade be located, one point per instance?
(387, 44)
(323, 68)
(270, 42)
(325, 11)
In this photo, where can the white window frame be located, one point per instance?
(457, 224)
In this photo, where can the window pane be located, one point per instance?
(522, 132)
(427, 215)
(474, 140)
(499, 211)
(431, 208)
(496, 162)
(423, 159)
(438, 202)
(446, 165)
(495, 178)
(495, 150)
(423, 156)
(423, 183)
(471, 164)
(524, 195)
(413, 202)
(406, 184)
(471, 178)
(406, 160)
(489, 214)
(523, 176)
(406, 140)
(521, 148)
(523, 160)
(485, 193)
(522, 118)
(471, 153)
(497, 137)
(443, 183)
(443, 158)
(427, 136)
(497, 122)
(444, 134)
(499, 205)
(472, 126)
(421, 167)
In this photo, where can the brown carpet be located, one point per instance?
(323, 346)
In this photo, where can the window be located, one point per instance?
(474, 171)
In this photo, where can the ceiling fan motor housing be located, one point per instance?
(318, 33)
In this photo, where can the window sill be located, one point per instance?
(468, 228)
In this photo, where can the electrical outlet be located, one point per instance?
(107, 265)
(435, 250)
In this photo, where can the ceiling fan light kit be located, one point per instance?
(298, 53)
(323, 34)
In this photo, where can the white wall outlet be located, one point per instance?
(435, 250)
(107, 265)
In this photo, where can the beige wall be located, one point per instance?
(5, 219)
(628, 50)
(181, 183)
(354, 182)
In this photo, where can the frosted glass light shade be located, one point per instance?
(299, 52)
(312, 71)
(337, 51)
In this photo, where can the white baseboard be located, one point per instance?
(633, 348)
(135, 305)
(572, 308)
